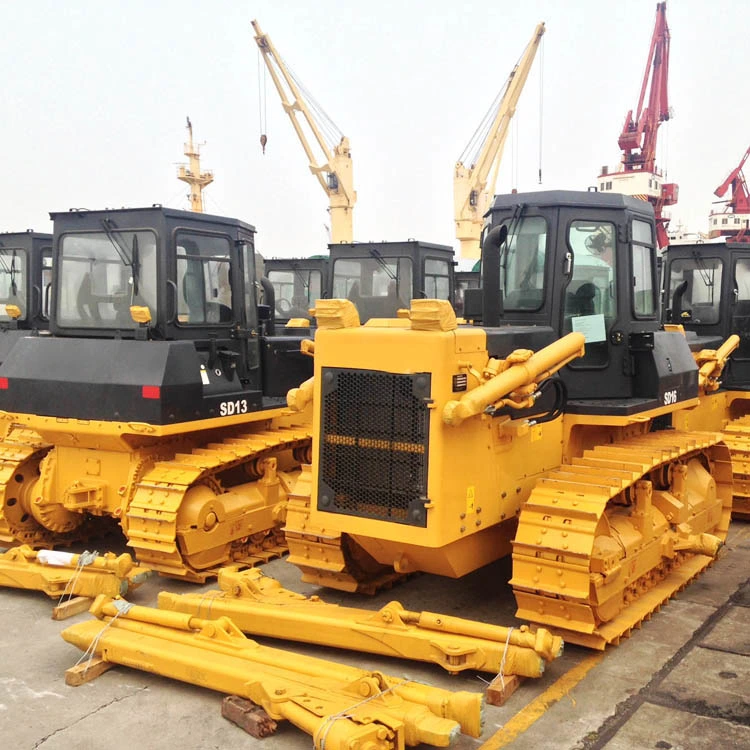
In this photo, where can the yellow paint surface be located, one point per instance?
(537, 708)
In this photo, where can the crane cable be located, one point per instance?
(471, 152)
(331, 132)
(262, 109)
(541, 104)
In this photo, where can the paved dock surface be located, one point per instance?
(681, 682)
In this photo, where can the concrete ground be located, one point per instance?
(681, 682)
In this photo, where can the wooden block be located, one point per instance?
(248, 716)
(71, 607)
(497, 694)
(86, 671)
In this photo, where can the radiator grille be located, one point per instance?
(375, 428)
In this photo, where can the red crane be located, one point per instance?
(736, 216)
(739, 203)
(638, 175)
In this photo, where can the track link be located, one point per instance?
(328, 558)
(194, 548)
(737, 438)
(598, 550)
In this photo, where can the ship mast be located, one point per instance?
(192, 174)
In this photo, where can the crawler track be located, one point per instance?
(599, 549)
(737, 438)
(182, 522)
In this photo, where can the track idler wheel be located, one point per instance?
(32, 519)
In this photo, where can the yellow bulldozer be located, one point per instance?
(706, 290)
(158, 400)
(544, 429)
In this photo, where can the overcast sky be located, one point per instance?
(95, 95)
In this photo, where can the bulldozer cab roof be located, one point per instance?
(155, 216)
(573, 198)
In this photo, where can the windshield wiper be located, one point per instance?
(120, 249)
(383, 264)
(132, 261)
(305, 284)
(513, 224)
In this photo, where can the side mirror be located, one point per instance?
(492, 298)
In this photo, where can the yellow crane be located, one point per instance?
(472, 187)
(334, 170)
(192, 174)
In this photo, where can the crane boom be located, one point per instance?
(734, 219)
(735, 180)
(639, 132)
(637, 174)
(334, 171)
(471, 192)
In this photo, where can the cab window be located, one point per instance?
(13, 269)
(644, 285)
(436, 279)
(203, 279)
(522, 264)
(46, 281)
(102, 275)
(694, 292)
(377, 286)
(295, 290)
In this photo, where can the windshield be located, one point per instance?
(102, 274)
(295, 291)
(378, 286)
(698, 283)
(522, 263)
(12, 281)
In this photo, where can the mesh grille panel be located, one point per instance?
(374, 440)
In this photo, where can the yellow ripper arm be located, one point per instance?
(259, 605)
(711, 363)
(57, 573)
(339, 706)
(521, 374)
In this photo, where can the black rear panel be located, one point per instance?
(374, 445)
(104, 380)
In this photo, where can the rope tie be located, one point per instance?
(501, 673)
(84, 559)
(208, 598)
(122, 607)
(345, 714)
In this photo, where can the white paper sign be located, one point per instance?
(591, 326)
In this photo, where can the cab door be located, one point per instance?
(740, 317)
(247, 328)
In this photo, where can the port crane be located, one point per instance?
(733, 221)
(192, 174)
(473, 187)
(334, 170)
(638, 175)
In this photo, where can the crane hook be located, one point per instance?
(263, 141)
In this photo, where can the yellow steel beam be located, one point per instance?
(62, 573)
(338, 705)
(259, 605)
